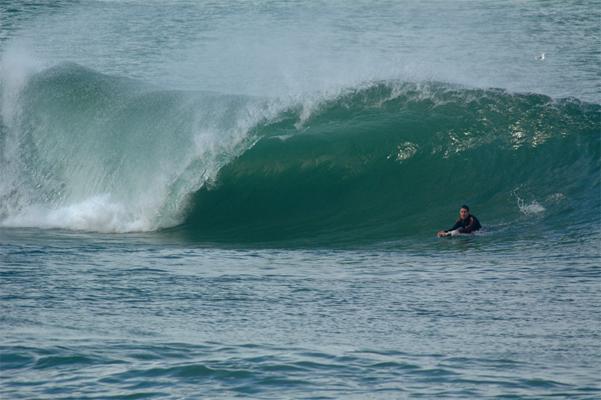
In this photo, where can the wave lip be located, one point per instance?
(84, 150)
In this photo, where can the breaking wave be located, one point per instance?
(87, 151)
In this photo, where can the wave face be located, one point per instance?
(398, 159)
(87, 151)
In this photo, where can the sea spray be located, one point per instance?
(81, 143)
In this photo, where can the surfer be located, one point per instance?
(466, 223)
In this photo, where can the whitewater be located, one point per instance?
(240, 199)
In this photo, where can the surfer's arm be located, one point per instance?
(447, 231)
(456, 226)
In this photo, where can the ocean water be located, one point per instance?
(239, 200)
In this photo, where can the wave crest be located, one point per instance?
(83, 150)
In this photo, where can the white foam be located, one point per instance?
(532, 208)
(97, 213)
(405, 151)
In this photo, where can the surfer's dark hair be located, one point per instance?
(466, 207)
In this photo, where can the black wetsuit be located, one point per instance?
(468, 225)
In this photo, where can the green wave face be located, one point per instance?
(87, 151)
(395, 160)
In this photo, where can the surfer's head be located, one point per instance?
(464, 212)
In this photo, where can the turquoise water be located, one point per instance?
(103, 316)
(240, 200)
